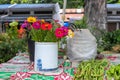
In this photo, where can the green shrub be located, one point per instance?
(9, 47)
(81, 24)
(110, 39)
(98, 33)
(106, 40)
(10, 44)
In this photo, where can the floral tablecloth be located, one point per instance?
(114, 58)
(19, 68)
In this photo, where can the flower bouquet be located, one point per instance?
(44, 31)
(46, 35)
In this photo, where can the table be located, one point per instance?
(20, 68)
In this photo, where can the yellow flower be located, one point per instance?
(70, 33)
(42, 20)
(31, 19)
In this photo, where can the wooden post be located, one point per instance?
(64, 7)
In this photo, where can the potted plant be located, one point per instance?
(46, 35)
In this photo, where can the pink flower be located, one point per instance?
(65, 29)
(59, 33)
(36, 25)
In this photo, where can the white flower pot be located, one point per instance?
(46, 56)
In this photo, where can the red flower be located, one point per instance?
(46, 26)
(59, 33)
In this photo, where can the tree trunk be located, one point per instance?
(96, 13)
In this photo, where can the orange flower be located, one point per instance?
(21, 32)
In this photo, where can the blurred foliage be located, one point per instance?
(5, 1)
(81, 23)
(106, 41)
(10, 44)
(101, 44)
(110, 39)
(113, 1)
(70, 3)
(116, 48)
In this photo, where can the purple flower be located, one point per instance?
(24, 25)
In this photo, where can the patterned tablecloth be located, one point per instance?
(114, 58)
(19, 68)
